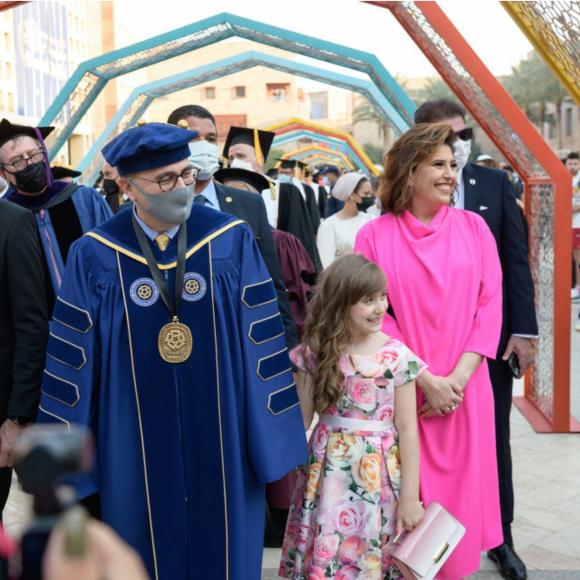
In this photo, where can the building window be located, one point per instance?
(7, 42)
(319, 105)
(10, 103)
(239, 92)
(210, 92)
(568, 122)
(278, 91)
(8, 71)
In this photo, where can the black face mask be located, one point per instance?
(31, 179)
(110, 187)
(365, 203)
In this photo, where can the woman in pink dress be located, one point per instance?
(445, 291)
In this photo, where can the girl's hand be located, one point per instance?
(442, 394)
(409, 514)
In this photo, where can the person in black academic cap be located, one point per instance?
(248, 148)
(63, 211)
(298, 271)
(204, 155)
(292, 170)
(62, 173)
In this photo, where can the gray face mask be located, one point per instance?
(171, 207)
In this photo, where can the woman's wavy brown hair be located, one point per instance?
(327, 329)
(410, 151)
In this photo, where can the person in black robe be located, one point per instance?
(294, 170)
(247, 148)
(63, 211)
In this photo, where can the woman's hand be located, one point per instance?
(409, 514)
(443, 394)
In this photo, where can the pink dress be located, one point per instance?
(444, 284)
(345, 503)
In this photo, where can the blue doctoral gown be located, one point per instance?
(183, 450)
(63, 212)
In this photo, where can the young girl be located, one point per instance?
(354, 493)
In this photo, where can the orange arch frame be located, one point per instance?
(497, 113)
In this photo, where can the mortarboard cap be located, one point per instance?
(291, 163)
(9, 131)
(147, 147)
(59, 172)
(256, 180)
(260, 140)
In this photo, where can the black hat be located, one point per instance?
(60, 172)
(252, 137)
(330, 169)
(291, 164)
(256, 180)
(9, 131)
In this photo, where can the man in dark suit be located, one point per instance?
(23, 330)
(243, 204)
(489, 193)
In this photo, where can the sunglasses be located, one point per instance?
(465, 134)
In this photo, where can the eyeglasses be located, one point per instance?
(168, 181)
(465, 134)
(20, 163)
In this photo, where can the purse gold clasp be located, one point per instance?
(441, 552)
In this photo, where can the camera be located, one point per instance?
(46, 455)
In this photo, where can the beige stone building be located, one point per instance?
(41, 45)
(254, 97)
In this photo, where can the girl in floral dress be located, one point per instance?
(360, 485)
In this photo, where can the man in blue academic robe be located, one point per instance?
(189, 393)
(63, 211)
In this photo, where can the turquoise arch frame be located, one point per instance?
(334, 143)
(142, 96)
(91, 76)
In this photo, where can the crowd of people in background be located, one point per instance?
(209, 308)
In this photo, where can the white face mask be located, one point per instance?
(461, 152)
(239, 164)
(205, 156)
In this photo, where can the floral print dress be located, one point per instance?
(344, 508)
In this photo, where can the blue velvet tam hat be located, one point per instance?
(149, 146)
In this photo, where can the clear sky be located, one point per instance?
(483, 23)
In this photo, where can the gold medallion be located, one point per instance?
(175, 342)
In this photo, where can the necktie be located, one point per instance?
(162, 240)
(200, 198)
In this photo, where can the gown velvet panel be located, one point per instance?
(444, 285)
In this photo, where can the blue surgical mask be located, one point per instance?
(205, 156)
(284, 178)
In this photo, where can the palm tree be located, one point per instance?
(365, 111)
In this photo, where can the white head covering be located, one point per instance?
(346, 184)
